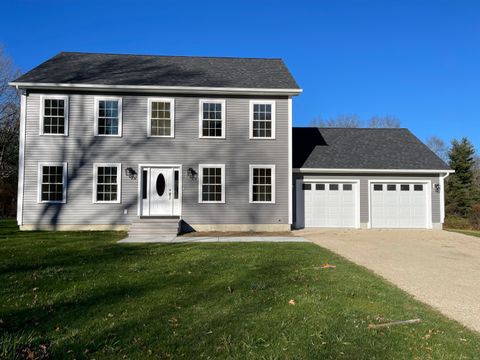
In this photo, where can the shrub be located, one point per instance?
(475, 216)
(457, 222)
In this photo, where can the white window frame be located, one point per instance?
(120, 117)
(171, 101)
(119, 179)
(65, 98)
(200, 117)
(273, 121)
(40, 182)
(200, 183)
(250, 183)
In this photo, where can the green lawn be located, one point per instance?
(466, 232)
(81, 295)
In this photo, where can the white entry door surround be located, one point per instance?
(159, 190)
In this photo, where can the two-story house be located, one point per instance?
(147, 142)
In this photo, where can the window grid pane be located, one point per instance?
(52, 183)
(212, 184)
(107, 183)
(54, 116)
(262, 120)
(262, 185)
(161, 124)
(212, 119)
(108, 117)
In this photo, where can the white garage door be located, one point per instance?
(401, 205)
(330, 204)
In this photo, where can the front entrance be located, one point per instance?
(160, 191)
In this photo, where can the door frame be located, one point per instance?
(428, 195)
(300, 200)
(141, 167)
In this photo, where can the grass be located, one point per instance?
(466, 232)
(80, 295)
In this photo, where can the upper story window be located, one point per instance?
(54, 115)
(212, 183)
(262, 183)
(212, 119)
(107, 183)
(52, 182)
(262, 119)
(161, 117)
(108, 116)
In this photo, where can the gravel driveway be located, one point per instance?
(439, 268)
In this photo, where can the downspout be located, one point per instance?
(442, 196)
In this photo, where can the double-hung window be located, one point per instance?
(54, 115)
(262, 183)
(262, 119)
(161, 117)
(212, 119)
(52, 182)
(108, 116)
(107, 183)
(212, 183)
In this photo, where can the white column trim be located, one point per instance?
(21, 158)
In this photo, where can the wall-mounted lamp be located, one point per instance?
(132, 174)
(191, 173)
(436, 187)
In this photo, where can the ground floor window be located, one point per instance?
(52, 182)
(106, 183)
(212, 183)
(262, 183)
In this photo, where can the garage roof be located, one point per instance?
(362, 148)
(154, 70)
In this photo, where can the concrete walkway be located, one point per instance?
(439, 268)
(207, 239)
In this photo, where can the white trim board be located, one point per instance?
(290, 162)
(160, 89)
(21, 159)
(375, 171)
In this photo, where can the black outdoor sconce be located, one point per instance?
(132, 174)
(191, 173)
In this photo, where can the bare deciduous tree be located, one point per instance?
(354, 121)
(9, 132)
(438, 146)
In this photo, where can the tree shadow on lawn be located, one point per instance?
(217, 300)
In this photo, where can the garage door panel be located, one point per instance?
(402, 205)
(329, 205)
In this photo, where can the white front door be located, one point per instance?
(160, 194)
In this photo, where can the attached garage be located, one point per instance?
(366, 178)
(331, 204)
(400, 204)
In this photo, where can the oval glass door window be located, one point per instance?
(160, 184)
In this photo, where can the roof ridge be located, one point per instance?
(171, 56)
(350, 128)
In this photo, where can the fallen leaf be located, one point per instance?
(292, 302)
(328, 266)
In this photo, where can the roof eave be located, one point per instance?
(373, 171)
(156, 89)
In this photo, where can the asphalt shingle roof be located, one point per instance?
(152, 70)
(362, 148)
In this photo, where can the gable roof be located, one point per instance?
(167, 71)
(362, 148)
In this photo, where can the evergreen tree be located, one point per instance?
(461, 191)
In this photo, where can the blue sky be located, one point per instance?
(416, 60)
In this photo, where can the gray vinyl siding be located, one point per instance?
(364, 189)
(81, 150)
